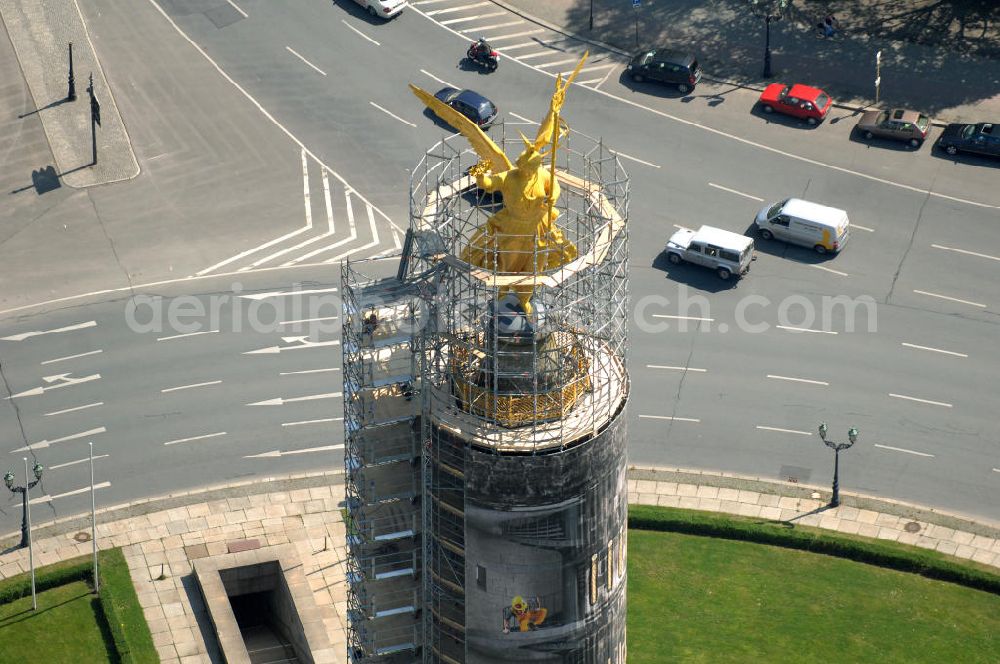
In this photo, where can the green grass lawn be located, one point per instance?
(702, 599)
(67, 627)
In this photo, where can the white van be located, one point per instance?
(725, 252)
(796, 221)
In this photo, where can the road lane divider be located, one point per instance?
(903, 449)
(287, 293)
(391, 114)
(919, 400)
(324, 420)
(73, 357)
(307, 371)
(78, 461)
(671, 418)
(187, 387)
(933, 350)
(195, 438)
(792, 328)
(663, 366)
(807, 381)
(466, 19)
(73, 410)
(950, 299)
(237, 8)
(780, 430)
(738, 193)
(361, 34)
(188, 334)
(966, 252)
(831, 270)
(300, 57)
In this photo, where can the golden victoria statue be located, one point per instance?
(522, 238)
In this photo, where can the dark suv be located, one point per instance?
(666, 66)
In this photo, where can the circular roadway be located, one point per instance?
(895, 335)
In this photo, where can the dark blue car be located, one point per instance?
(471, 104)
(981, 138)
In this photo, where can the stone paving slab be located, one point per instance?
(161, 557)
(40, 32)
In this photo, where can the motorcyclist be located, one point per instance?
(481, 48)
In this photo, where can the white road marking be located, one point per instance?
(300, 57)
(69, 328)
(66, 382)
(42, 444)
(373, 243)
(48, 499)
(264, 296)
(610, 71)
(452, 10)
(307, 371)
(234, 6)
(902, 449)
(862, 228)
(589, 81)
(520, 117)
(672, 419)
(187, 387)
(194, 438)
(321, 421)
(281, 402)
(278, 453)
(359, 32)
(593, 68)
(508, 49)
(966, 252)
(483, 28)
(996, 470)
(798, 380)
(350, 238)
(705, 320)
(304, 343)
(738, 193)
(466, 19)
(71, 410)
(513, 35)
(558, 62)
(790, 328)
(830, 269)
(800, 433)
(538, 54)
(626, 156)
(72, 357)
(441, 81)
(266, 114)
(952, 299)
(188, 334)
(934, 350)
(308, 320)
(662, 366)
(391, 114)
(427, 2)
(73, 463)
(927, 401)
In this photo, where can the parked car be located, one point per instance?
(471, 104)
(981, 138)
(665, 65)
(382, 8)
(898, 124)
(800, 101)
(725, 252)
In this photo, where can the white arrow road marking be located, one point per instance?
(68, 328)
(192, 438)
(72, 357)
(42, 444)
(262, 296)
(67, 381)
(304, 343)
(48, 499)
(280, 401)
(278, 453)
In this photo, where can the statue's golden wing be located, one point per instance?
(548, 125)
(484, 146)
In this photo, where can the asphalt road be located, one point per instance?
(298, 156)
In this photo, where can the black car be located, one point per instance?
(982, 138)
(471, 104)
(666, 66)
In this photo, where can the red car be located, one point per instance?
(800, 101)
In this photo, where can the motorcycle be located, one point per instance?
(489, 60)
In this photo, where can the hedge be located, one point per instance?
(119, 603)
(891, 555)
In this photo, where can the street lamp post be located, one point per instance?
(8, 479)
(769, 10)
(852, 437)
